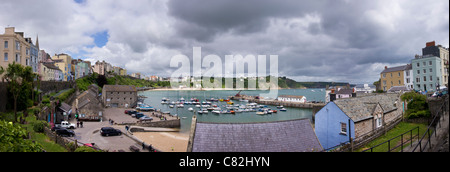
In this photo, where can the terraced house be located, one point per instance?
(396, 76)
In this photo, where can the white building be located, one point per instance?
(290, 98)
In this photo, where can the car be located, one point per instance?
(65, 132)
(146, 118)
(65, 124)
(109, 131)
(138, 115)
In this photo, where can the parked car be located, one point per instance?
(131, 112)
(138, 115)
(109, 131)
(65, 132)
(65, 124)
(146, 118)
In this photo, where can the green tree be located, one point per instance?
(19, 80)
(417, 105)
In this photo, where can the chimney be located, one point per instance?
(429, 44)
(354, 92)
(385, 67)
(332, 95)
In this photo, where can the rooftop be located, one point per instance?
(281, 136)
(361, 108)
(120, 88)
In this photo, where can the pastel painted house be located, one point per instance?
(343, 119)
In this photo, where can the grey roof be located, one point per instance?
(361, 108)
(345, 91)
(65, 107)
(399, 88)
(398, 68)
(119, 88)
(282, 136)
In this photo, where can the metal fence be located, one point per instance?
(395, 141)
(425, 140)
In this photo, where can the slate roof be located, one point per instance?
(361, 108)
(119, 88)
(397, 68)
(282, 136)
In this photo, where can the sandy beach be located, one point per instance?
(165, 141)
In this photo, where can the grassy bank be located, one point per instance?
(401, 128)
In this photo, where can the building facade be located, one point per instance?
(64, 63)
(14, 48)
(442, 53)
(119, 95)
(427, 72)
(395, 76)
(291, 98)
(344, 119)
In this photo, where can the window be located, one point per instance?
(384, 75)
(399, 74)
(430, 63)
(399, 82)
(343, 128)
(424, 63)
(424, 78)
(379, 122)
(407, 73)
(17, 45)
(407, 80)
(18, 58)
(431, 78)
(418, 80)
(418, 71)
(424, 71)
(431, 70)
(391, 75)
(418, 64)
(6, 44)
(5, 57)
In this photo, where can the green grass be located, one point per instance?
(41, 138)
(401, 128)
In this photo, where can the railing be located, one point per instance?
(393, 140)
(436, 120)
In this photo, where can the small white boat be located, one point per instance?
(279, 107)
(283, 109)
(180, 106)
(191, 109)
(171, 106)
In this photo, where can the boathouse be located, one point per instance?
(280, 136)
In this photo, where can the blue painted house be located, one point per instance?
(343, 119)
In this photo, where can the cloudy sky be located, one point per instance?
(334, 40)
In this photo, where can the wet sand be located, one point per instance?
(165, 141)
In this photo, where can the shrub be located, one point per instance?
(38, 126)
(86, 149)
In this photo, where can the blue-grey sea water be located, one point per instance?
(154, 99)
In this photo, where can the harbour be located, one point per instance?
(246, 115)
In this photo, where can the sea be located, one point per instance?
(154, 98)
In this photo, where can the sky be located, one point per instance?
(334, 40)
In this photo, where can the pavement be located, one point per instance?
(90, 132)
(439, 138)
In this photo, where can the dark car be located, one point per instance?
(109, 131)
(65, 132)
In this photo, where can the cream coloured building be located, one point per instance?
(14, 48)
